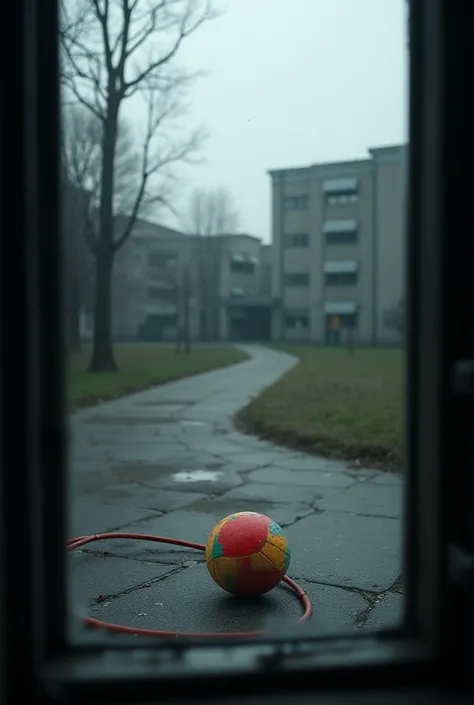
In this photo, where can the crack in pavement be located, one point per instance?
(372, 598)
(100, 599)
(147, 560)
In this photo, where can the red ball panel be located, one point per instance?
(243, 535)
(251, 582)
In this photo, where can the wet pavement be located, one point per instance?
(168, 461)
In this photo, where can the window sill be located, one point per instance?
(242, 669)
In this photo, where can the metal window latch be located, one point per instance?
(463, 378)
(461, 567)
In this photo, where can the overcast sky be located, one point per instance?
(290, 83)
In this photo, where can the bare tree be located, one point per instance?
(78, 264)
(112, 51)
(210, 213)
(82, 164)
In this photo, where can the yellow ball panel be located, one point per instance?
(224, 571)
(278, 540)
(275, 556)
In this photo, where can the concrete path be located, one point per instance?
(168, 461)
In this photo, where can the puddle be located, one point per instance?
(197, 476)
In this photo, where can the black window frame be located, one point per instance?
(433, 654)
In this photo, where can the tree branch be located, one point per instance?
(185, 30)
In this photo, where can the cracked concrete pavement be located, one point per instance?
(169, 461)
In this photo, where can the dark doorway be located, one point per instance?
(157, 327)
(251, 323)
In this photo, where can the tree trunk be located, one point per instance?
(103, 354)
(74, 328)
(74, 302)
(187, 344)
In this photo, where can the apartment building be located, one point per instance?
(338, 248)
(215, 288)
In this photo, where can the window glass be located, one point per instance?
(200, 314)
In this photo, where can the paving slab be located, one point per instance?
(275, 493)
(301, 478)
(91, 516)
(347, 550)
(311, 463)
(183, 524)
(95, 578)
(387, 613)
(367, 499)
(284, 513)
(153, 499)
(389, 478)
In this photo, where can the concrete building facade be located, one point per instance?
(164, 282)
(338, 241)
(334, 269)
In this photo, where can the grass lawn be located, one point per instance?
(336, 404)
(141, 367)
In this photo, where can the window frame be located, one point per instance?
(297, 315)
(351, 238)
(288, 283)
(302, 199)
(329, 278)
(336, 198)
(34, 433)
(296, 240)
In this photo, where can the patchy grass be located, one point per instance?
(141, 367)
(336, 404)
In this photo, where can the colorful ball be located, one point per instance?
(247, 554)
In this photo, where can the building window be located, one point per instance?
(344, 321)
(297, 240)
(242, 267)
(297, 320)
(154, 292)
(341, 279)
(301, 279)
(243, 263)
(296, 203)
(341, 199)
(341, 238)
(162, 259)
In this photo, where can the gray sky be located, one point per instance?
(293, 82)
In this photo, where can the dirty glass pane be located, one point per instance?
(233, 194)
